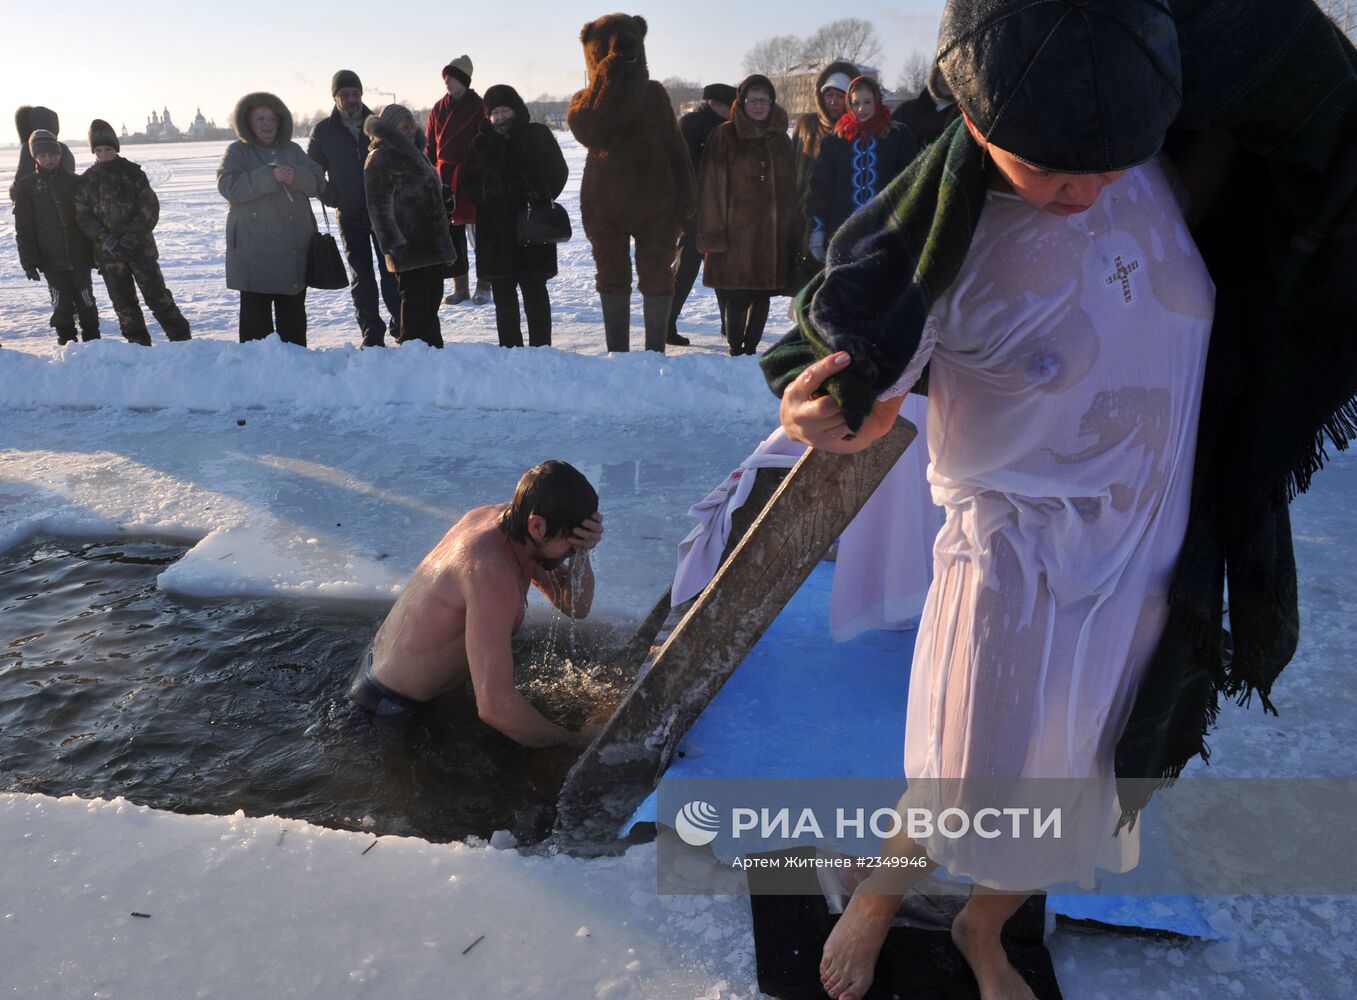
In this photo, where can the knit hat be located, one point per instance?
(344, 78)
(459, 69)
(102, 134)
(721, 93)
(42, 141)
(393, 114)
(1074, 86)
(839, 81)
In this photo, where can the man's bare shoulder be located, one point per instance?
(475, 551)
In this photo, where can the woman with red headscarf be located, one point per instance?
(863, 155)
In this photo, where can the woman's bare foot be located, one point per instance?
(848, 963)
(979, 945)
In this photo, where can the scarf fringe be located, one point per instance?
(1340, 429)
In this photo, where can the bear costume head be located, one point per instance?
(620, 37)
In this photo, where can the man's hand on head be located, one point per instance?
(588, 533)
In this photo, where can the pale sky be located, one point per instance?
(119, 59)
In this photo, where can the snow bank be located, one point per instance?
(214, 375)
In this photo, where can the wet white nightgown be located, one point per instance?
(1067, 363)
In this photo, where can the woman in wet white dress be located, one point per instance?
(1066, 361)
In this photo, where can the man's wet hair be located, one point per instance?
(557, 492)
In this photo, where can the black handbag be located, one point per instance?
(545, 222)
(324, 264)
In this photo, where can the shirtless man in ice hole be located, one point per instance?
(456, 616)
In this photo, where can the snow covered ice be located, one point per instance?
(327, 474)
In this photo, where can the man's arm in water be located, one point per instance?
(570, 586)
(492, 605)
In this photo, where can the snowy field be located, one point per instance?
(325, 475)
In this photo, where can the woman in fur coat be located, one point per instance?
(408, 208)
(269, 182)
(746, 212)
(513, 162)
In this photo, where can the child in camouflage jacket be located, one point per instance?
(116, 208)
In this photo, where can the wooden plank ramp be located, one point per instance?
(808, 510)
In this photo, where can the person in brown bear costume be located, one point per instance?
(638, 180)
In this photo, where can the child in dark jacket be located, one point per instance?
(117, 210)
(50, 242)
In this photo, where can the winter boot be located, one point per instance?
(482, 295)
(675, 339)
(461, 291)
(141, 337)
(736, 321)
(65, 335)
(655, 308)
(616, 320)
(174, 324)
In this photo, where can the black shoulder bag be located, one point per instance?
(324, 265)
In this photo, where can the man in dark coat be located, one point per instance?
(931, 112)
(27, 120)
(453, 122)
(696, 126)
(117, 210)
(340, 146)
(513, 162)
(51, 243)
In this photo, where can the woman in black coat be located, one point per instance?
(513, 162)
(864, 154)
(409, 218)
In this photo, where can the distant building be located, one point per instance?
(160, 127)
(201, 128)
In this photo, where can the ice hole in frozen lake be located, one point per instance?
(110, 686)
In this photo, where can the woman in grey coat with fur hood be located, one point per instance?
(268, 181)
(406, 203)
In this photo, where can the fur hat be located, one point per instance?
(721, 93)
(28, 117)
(459, 69)
(345, 78)
(501, 95)
(1080, 86)
(102, 134)
(42, 141)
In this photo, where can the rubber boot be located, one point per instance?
(461, 291)
(655, 308)
(616, 320)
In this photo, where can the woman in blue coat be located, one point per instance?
(865, 153)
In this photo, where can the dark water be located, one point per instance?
(109, 687)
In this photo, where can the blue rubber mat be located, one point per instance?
(802, 706)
